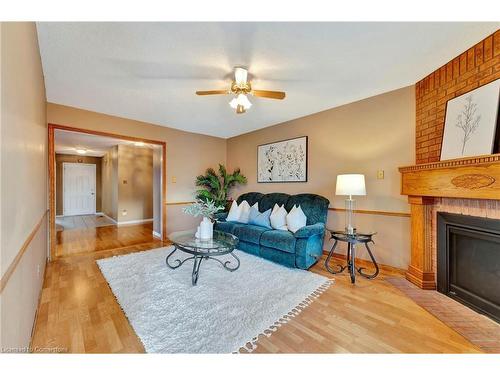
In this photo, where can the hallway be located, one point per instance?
(90, 240)
(82, 222)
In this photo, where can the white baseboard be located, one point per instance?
(110, 218)
(135, 221)
(156, 234)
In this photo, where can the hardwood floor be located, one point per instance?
(87, 240)
(78, 313)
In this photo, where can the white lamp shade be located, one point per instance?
(350, 184)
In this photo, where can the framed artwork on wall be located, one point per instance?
(471, 122)
(283, 161)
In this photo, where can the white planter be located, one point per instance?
(206, 229)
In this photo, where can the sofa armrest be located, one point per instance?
(220, 216)
(310, 230)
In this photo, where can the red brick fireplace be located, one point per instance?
(469, 186)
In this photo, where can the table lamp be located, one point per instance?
(350, 184)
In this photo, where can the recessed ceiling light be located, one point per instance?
(81, 151)
(139, 144)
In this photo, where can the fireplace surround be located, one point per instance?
(468, 261)
(468, 186)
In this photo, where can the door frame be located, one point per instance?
(64, 190)
(52, 180)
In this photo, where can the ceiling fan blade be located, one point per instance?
(212, 92)
(269, 94)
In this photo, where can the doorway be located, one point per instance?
(107, 191)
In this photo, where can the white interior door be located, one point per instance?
(79, 189)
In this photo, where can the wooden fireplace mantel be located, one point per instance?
(472, 178)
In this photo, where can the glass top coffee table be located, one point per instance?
(221, 244)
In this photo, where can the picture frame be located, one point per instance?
(283, 161)
(471, 123)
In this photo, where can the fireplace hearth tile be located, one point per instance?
(478, 329)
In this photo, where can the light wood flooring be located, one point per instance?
(87, 240)
(79, 313)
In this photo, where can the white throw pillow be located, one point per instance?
(296, 219)
(244, 212)
(278, 217)
(234, 212)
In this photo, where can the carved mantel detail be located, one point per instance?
(472, 181)
(469, 178)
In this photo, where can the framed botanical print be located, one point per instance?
(471, 122)
(283, 161)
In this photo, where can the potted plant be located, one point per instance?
(207, 209)
(216, 187)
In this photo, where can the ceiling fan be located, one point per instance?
(241, 87)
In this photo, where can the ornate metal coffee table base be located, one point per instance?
(197, 258)
(352, 240)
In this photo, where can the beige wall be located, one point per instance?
(135, 183)
(23, 179)
(62, 158)
(110, 183)
(373, 134)
(188, 154)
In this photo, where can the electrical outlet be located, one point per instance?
(380, 174)
(174, 179)
(124, 213)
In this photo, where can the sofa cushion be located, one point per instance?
(225, 226)
(251, 198)
(249, 233)
(315, 207)
(282, 257)
(295, 219)
(269, 200)
(234, 212)
(250, 248)
(278, 217)
(279, 239)
(260, 219)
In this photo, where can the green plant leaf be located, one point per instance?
(216, 186)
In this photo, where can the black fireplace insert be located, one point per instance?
(468, 261)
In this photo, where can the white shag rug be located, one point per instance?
(224, 312)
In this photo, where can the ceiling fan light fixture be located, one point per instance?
(241, 87)
(240, 76)
(240, 101)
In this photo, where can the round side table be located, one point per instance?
(352, 240)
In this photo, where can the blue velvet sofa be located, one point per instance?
(300, 249)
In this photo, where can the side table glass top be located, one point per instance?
(342, 235)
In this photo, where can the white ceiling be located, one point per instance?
(150, 71)
(66, 142)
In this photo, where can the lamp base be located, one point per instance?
(350, 230)
(349, 215)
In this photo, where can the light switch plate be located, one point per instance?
(380, 174)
